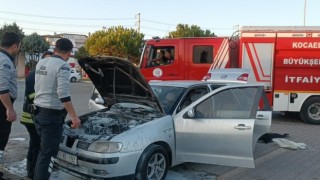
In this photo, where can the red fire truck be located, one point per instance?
(285, 59)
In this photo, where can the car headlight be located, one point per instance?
(105, 147)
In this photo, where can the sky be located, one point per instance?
(157, 18)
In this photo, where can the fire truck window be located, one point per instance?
(202, 54)
(161, 56)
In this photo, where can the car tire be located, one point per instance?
(153, 163)
(310, 111)
(73, 79)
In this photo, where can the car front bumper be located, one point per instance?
(109, 166)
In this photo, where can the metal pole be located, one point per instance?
(138, 22)
(304, 16)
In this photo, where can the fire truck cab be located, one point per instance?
(190, 59)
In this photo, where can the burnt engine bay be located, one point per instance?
(105, 124)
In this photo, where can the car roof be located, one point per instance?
(183, 83)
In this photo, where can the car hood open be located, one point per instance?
(119, 81)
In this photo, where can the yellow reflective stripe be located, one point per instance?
(26, 117)
(25, 114)
(26, 120)
(32, 95)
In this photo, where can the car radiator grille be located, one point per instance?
(70, 141)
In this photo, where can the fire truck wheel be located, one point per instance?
(310, 111)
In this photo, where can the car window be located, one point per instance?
(264, 103)
(234, 103)
(192, 95)
(168, 96)
(72, 71)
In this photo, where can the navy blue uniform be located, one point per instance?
(26, 119)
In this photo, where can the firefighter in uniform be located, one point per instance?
(52, 103)
(26, 120)
(10, 46)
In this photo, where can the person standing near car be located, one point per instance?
(52, 103)
(10, 46)
(26, 120)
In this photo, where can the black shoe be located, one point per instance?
(30, 169)
(1, 176)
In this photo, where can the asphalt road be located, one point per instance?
(272, 162)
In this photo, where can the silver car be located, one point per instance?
(145, 130)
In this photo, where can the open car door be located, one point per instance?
(219, 127)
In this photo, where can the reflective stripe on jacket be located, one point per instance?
(26, 118)
(29, 95)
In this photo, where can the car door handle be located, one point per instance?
(261, 117)
(242, 127)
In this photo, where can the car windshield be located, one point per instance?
(168, 96)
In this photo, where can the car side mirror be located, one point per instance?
(191, 113)
(99, 101)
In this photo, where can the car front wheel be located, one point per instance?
(153, 164)
(73, 79)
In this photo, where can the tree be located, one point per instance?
(184, 30)
(115, 41)
(81, 53)
(33, 45)
(11, 28)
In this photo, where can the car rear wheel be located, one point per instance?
(310, 111)
(153, 164)
(73, 79)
